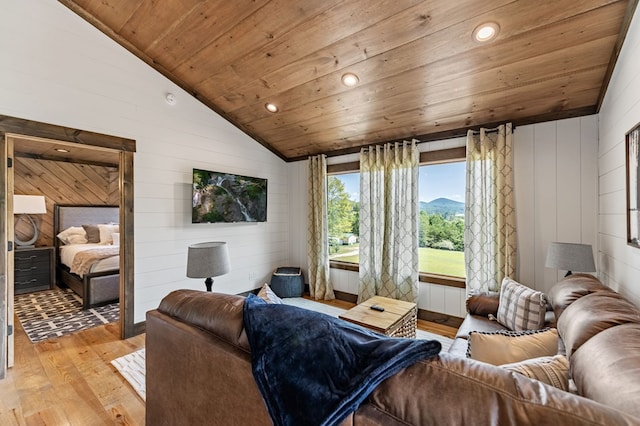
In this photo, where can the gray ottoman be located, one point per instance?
(287, 282)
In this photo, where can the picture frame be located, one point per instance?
(632, 139)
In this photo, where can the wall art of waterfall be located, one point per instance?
(225, 197)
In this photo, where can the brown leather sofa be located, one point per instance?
(199, 372)
(599, 333)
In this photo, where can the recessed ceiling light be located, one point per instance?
(350, 79)
(271, 107)
(62, 150)
(486, 32)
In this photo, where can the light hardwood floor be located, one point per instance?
(70, 380)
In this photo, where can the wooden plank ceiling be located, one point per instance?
(420, 72)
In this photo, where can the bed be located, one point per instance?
(95, 273)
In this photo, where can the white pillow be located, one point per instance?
(77, 239)
(72, 230)
(106, 232)
(116, 238)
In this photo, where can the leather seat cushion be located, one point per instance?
(592, 314)
(477, 323)
(607, 368)
(572, 288)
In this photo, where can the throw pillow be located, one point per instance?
(268, 295)
(520, 307)
(77, 239)
(93, 233)
(106, 233)
(552, 370)
(506, 347)
(72, 230)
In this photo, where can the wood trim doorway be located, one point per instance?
(84, 139)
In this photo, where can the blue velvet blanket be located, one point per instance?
(313, 369)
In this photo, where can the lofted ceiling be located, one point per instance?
(421, 74)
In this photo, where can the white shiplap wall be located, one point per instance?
(56, 68)
(555, 189)
(555, 172)
(618, 263)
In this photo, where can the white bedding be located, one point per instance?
(68, 251)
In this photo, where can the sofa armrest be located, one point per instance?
(483, 304)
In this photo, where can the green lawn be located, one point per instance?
(443, 262)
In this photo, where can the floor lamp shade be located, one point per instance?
(570, 257)
(207, 260)
(26, 205)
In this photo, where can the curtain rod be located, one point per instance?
(492, 129)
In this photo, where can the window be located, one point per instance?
(441, 216)
(441, 226)
(343, 193)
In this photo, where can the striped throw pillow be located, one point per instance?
(552, 370)
(521, 308)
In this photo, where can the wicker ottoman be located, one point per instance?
(399, 318)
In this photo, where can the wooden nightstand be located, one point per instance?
(33, 269)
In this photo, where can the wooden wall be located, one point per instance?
(62, 183)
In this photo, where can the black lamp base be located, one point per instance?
(208, 283)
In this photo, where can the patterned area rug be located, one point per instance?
(54, 313)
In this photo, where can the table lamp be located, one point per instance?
(570, 256)
(26, 205)
(207, 260)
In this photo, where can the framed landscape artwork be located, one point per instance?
(633, 186)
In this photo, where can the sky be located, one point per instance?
(436, 181)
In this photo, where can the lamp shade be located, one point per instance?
(207, 260)
(570, 257)
(29, 204)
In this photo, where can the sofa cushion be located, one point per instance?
(521, 308)
(552, 370)
(607, 368)
(591, 314)
(449, 390)
(505, 347)
(477, 323)
(570, 289)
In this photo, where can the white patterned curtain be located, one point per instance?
(317, 231)
(489, 220)
(389, 221)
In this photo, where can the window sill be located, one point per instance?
(444, 280)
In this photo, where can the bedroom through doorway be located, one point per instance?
(73, 168)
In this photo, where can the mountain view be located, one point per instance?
(443, 207)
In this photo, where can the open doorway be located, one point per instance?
(93, 160)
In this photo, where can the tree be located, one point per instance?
(340, 208)
(355, 224)
(423, 229)
(439, 232)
